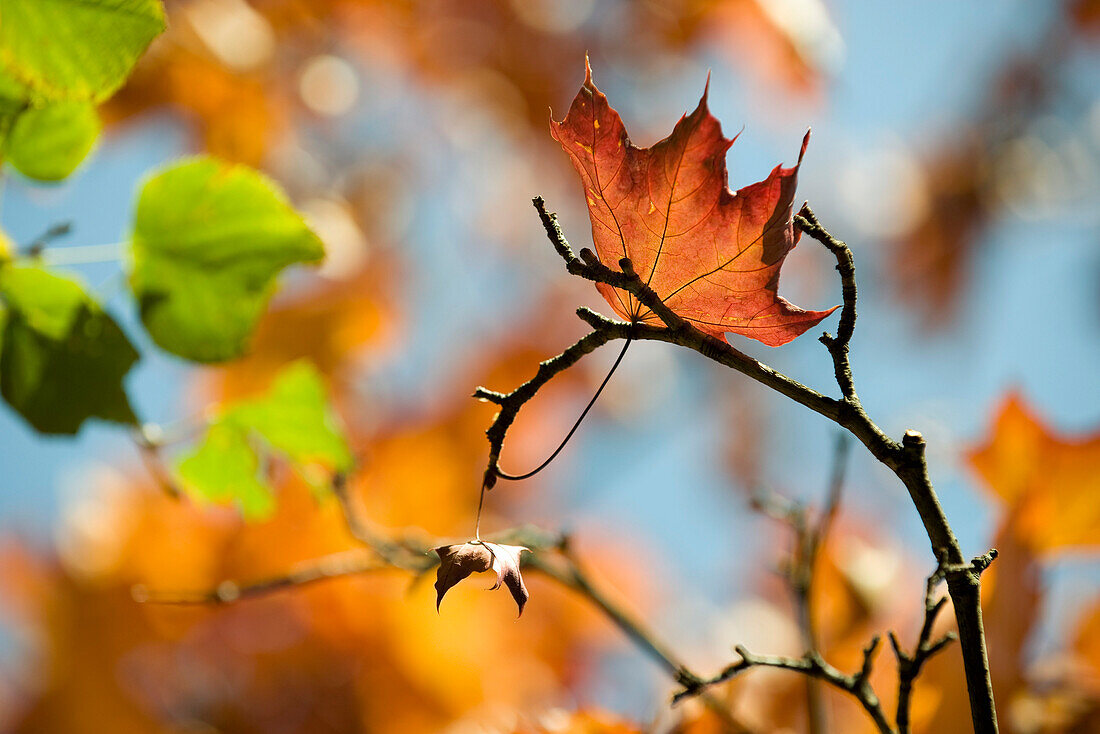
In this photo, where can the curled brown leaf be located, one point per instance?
(456, 562)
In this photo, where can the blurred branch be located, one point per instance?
(42, 241)
(811, 664)
(799, 570)
(395, 554)
(319, 569)
(905, 458)
(570, 573)
(909, 666)
(550, 555)
(151, 458)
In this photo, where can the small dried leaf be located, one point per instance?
(456, 562)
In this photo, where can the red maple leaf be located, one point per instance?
(712, 255)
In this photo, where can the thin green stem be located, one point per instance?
(84, 254)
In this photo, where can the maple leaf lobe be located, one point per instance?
(712, 255)
(456, 562)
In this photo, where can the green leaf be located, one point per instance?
(209, 240)
(294, 418)
(10, 89)
(63, 358)
(48, 143)
(225, 469)
(75, 49)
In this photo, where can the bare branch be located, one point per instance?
(553, 231)
(327, 567)
(906, 459)
(811, 664)
(570, 572)
(395, 554)
(799, 570)
(551, 555)
(511, 403)
(845, 265)
(909, 666)
(151, 458)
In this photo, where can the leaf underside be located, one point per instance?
(63, 358)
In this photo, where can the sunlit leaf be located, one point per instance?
(209, 240)
(292, 420)
(295, 419)
(75, 49)
(225, 469)
(456, 562)
(714, 256)
(48, 143)
(63, 358)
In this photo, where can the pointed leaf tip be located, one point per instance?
(805, 142)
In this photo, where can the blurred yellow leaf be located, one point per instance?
(1048, 481)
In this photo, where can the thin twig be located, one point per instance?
(576, 424)
(799, 570)
(810, 540)
(416, 556)
(511, 403)
(811, 664)
(570, 572)
(841, 450)
(845, 265)
(395, 554)
(151, 458)
(42, 241)
(332, 566)
(909, 666)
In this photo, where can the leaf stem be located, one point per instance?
(576, 425)
(84, 254)
(40, 243)
(480, 505)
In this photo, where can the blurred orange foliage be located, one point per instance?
(1048, 482)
